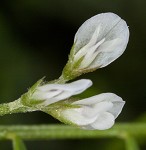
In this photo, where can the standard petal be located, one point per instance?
(52, 93)
(104, 121)
(104, 100)
(115, 45)
(117, 108)
(44, 95)
(78, 86)
(108, 26)
(91, 100)
(99, 98)
(106, 21)
(75, 87)
(103, 106)
(117, 102)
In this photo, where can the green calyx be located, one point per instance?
(72, 68)
(27, 99)
(56, 109)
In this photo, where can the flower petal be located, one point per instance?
(52, 93)
(104, 121)
(108, 26)
(99, 98)
(44, 95)
(104, 100)
(76, 117)
(117, 108)
(103, 106)
(75, 87)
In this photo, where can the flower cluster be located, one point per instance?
(97, 112)
(98, 42)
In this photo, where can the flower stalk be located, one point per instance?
(13, 107)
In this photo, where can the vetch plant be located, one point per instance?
(99, 41)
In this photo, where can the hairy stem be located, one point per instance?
(13, 107)
(32, 132)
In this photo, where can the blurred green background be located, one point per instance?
(35, 40)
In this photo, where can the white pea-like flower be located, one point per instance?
(99, 41)
(97, 112)
(51, 93)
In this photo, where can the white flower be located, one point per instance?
(97, 112)
(51, 93)
(99, 41)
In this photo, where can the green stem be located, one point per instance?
(13, 107)
(18, 144)
(32, 132)
(17, 106)
(131, 143)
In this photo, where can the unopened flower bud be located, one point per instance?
(97, 112)
(52, 93)
(98, 42)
